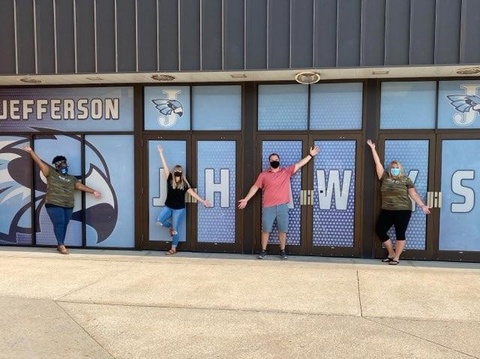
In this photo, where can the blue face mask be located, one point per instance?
(63, 170)
(395, 171)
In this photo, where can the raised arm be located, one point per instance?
(312, 153)
(42, 165)
(166, 171)
(378, 164)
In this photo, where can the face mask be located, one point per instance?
(395, 171)
(275, 164)
(62, 168)
(177, 174)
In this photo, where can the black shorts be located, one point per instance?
(387, 219)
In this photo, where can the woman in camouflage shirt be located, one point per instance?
(59, 200)
(396, 189)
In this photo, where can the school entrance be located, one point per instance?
(442, 167)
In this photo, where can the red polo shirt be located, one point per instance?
(275, 186)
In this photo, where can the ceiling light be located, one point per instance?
(380, 72)
(160, 77)
(307, 78)
(29, 80)
(469, 71)
(238, 76)
(95, 78)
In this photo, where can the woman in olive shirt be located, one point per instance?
(396, 189)
(59, 200)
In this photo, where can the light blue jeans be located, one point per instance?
(175, 215)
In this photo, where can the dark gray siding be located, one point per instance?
(47, 36)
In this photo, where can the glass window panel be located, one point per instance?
(459, 104)
(336, 106)
(167, 108)
(109, 219)
(217, 108)
(407, 105)
(413, 155)
(282, 107)
(16, 180)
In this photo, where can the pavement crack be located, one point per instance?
(358, 293)
(83, 329)
(395, 328)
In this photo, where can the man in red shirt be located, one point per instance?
(275, 183)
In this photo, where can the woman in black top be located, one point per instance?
(174, 209)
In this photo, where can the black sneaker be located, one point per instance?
(262, 254)
(283, 255)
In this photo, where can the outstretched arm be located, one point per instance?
(194, 194)
(81, 187)
(42, 165)
(243, 202)
(378, 164)
(416, 198)
(313, 152)
(166, 171)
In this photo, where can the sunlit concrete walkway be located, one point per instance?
(128, 304)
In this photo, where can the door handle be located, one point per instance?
(189, 198)
(306, 197)
(434, 199)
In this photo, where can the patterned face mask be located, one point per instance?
(61, 167)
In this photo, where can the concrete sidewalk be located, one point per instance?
(128, 304)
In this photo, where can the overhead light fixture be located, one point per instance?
(95, 78)
(238, 76)
(307, 78)
(162, 78)
(29, 80)
(380, 72)
(469, 71)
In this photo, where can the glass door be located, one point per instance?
(457, 189)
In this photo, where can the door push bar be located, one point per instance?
(306, 197)
(189, 198)
(434, 199)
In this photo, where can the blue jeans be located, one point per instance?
(175, 215)
(60, 217)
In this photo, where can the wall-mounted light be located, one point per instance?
(469, 71)
(238, 76)
(307, 78)
(163, 78)
(380, 72)
(29, 80)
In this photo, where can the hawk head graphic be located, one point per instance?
(465, 103)
(18, 189)
(169, 107)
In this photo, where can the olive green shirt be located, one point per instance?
(60, 189)
(395, 193)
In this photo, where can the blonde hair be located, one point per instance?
(402, 171)
(183, 181)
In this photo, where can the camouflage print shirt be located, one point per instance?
(395, 193)
(60, 189)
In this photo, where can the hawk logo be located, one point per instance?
(170, 108)
(16, 193)
(468, 105)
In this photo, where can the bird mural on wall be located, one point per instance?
(168, 107)
(465, 103)
(17, 188)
